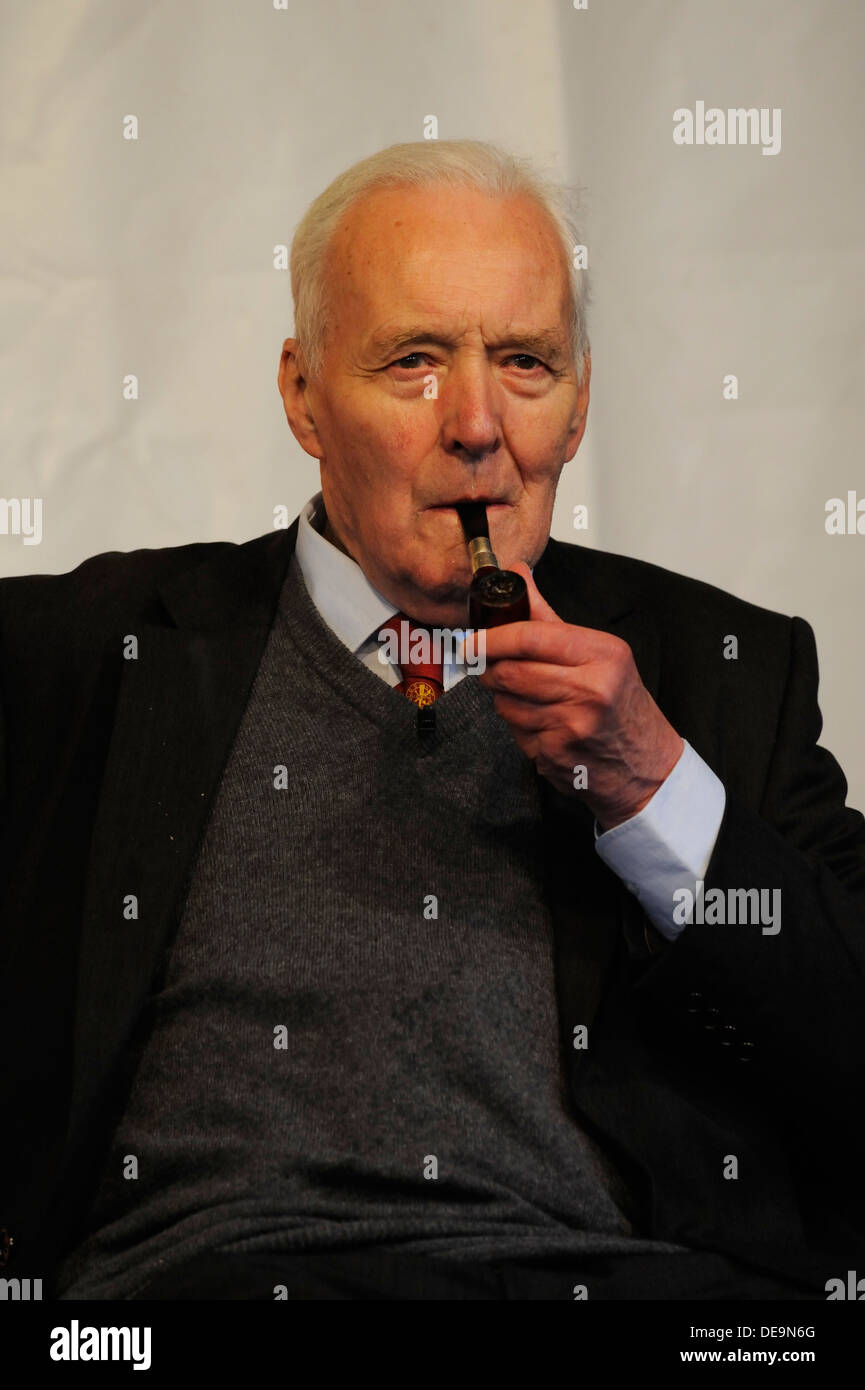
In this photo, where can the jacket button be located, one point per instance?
(712, 1020)
(728, 1035)
(746, 1052)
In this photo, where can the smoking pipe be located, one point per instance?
(496, 596)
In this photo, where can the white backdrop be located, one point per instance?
(155, 256)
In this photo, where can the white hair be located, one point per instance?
(425, 164)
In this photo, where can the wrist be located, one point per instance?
(616, 811)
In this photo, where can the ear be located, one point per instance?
(578, 419)
(294, 389)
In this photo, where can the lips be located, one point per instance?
(487, 502)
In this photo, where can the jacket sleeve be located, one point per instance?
(789, 1004)
(4, 790)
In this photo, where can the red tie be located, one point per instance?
(422, 682)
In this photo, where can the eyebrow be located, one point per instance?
(543, 343)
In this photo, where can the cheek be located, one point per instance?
(538, 438)
(398, 441)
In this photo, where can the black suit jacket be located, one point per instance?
(725, 1044)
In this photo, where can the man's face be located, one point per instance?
(447, 375)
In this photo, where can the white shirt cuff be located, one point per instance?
(670, 841)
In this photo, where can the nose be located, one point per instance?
(469, 400)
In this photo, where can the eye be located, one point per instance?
(526, 358)
(411, 360)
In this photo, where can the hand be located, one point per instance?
(573, 696)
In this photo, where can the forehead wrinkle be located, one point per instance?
(433, 323)
(361, 252)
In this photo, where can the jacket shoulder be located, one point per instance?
(107, 587)
(674, 600)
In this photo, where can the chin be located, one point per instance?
(444, 604)
(441, 614)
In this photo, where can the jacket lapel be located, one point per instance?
(593, 913)
(178, 709)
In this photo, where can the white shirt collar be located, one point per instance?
(337, 585)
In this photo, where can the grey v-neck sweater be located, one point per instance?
(356, 1039)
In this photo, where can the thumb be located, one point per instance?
(540, 609)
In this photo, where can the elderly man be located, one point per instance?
(547, 985)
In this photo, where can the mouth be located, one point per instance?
(491, 503)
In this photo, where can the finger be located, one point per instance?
(544, 683)
(528, 715)
(540, 609)
(552, 642)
